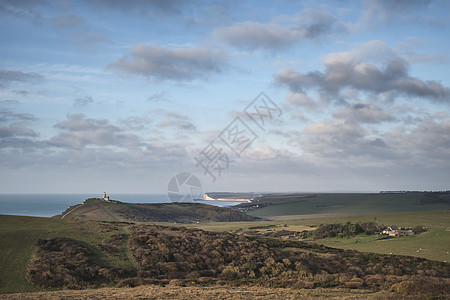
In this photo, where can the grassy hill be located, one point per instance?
(72, 253)
(19, 236)
(300, 205)
(99, 243)
(54, 253)
(231, 195)
(432, 244)
(99, 210)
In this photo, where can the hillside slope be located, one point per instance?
(55, 253)
(99, 210)
(164, 254)
(342, 204)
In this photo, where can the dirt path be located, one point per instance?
(79, 205)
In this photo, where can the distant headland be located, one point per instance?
(105, 209)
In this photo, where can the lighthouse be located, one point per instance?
(105, 198)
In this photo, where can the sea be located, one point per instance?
(48, 205)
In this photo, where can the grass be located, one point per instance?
(435, 243)
(344, 204)
(431, 245)
(200, 292)
(99, 210)
(19, 235)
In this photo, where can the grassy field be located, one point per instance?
(199, 292)
(433, 244)
(343, 204)
(19, 235)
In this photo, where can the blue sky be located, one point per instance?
(120, 96)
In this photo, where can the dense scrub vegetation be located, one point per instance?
(190, 254)
(322, 231)
(347, 230)
(177, 252)
(113, 245)
(183, 256)
(65, 263)
(342, 230)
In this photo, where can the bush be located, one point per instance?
(66, 263)
(176, 252)
(179, 255)
(420, 285)
(342, 230)
(354, 283)
(419, 229)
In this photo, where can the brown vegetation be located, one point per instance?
(177, 252)
(189, 254)
(182, 257)
(65, 263)
(199, 292)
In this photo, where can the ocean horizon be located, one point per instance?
(49, 205)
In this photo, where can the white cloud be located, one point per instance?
(370, 68)
(179, 64)
(83, 101)
(387, 11)
(307, 25)
(79, 131)
(364, 112)
(8, 76)
(300, 99)
(252, 35)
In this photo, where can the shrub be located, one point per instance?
(354, 283)
(66, 263)
(420, 285)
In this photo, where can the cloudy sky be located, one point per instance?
(120, 96)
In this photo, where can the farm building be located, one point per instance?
(395, 231)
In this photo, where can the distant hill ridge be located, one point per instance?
(116, 211)
(229, 196)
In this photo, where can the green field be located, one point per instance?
(19, 235)
(434, 244)
(343, 204)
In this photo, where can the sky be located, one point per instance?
(121, 96)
